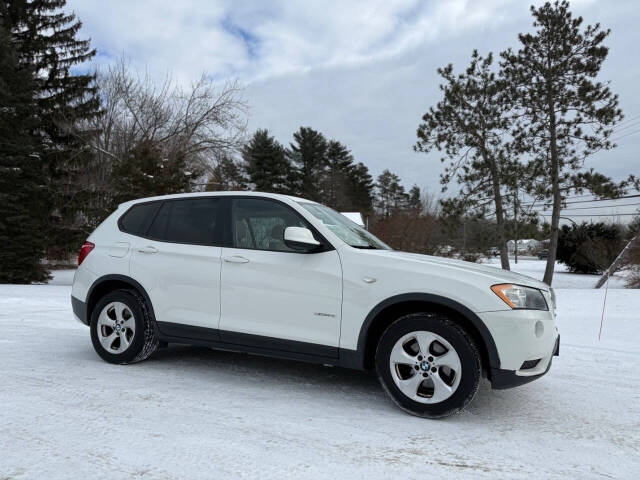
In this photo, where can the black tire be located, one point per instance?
(459, 340)
(145, 339)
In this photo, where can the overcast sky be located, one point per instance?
(362, 72)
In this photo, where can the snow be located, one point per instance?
(62, 277)
(198, 413)
(561, 276)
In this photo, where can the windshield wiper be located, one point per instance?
(365, 247)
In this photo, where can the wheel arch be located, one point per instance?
(110, 283)
(387, 311)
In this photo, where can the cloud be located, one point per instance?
(256, 40)
(362, 71)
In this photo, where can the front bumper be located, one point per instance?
(503, 379)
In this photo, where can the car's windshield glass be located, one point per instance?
(348, 231)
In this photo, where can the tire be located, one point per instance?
(137, 336)
(414, 351)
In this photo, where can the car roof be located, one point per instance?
(276, 196)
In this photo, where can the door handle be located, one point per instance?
(236, 259)
(148, 249)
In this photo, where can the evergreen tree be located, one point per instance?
(335, 186)
(414, 199)
(391, 196)
(44, 38)
(227, 175)
(266, 164)
(147, 172)
(564, 114)
(361, 189)
(308, 155)
(23, 201)
(469, 124)
(590, 247)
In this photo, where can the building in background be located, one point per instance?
(355, 217)
(525, 245)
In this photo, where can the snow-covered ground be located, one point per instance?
(197, 413)
(561, 277)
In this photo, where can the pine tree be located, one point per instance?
(308, 155)
(44, 38)
(23, 201)
(335, 185)
(266, 164)
(227, 175)
(469, 124)
(361, 189)
(390, 193)
(564, 114)
(414, 199)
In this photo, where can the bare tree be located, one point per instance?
(196, 124)
(417, 229)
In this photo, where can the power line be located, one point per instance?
(622, 127)
(540, 203)
(626, 135)
(590, 208)
(626, 121)
(532, 203)
(571, 197)
(586, 215)
(590, 201)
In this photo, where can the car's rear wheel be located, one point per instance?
(428, 365)
(122, 328)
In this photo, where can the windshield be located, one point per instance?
(348, 231)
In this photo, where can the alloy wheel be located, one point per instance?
(425, 367)
(116, 327)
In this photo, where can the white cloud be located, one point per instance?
(257, 40)
(361, 71)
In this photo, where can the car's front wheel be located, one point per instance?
(122, 328)
(428, 365)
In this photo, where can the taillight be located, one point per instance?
(84, 251)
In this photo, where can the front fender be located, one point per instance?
(371, 326)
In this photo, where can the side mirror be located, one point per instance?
(299, 238)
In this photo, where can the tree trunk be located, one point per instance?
(557, 199)
(497, 198)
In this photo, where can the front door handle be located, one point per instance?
(236, 259)
(148, 249)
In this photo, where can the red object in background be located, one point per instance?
(84, 251)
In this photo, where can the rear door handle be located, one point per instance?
(236, 259)
(148, 249)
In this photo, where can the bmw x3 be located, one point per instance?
(287, 277)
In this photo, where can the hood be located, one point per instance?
(494, 275)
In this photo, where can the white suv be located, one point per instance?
(287, 277)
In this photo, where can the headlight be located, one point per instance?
(517, 296)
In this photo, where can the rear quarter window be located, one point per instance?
(192, 221)
(137, 219)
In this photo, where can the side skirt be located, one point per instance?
(255, 344)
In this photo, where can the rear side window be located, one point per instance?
(137, 219)
(187, 221)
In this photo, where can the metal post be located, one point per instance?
(618, 261)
